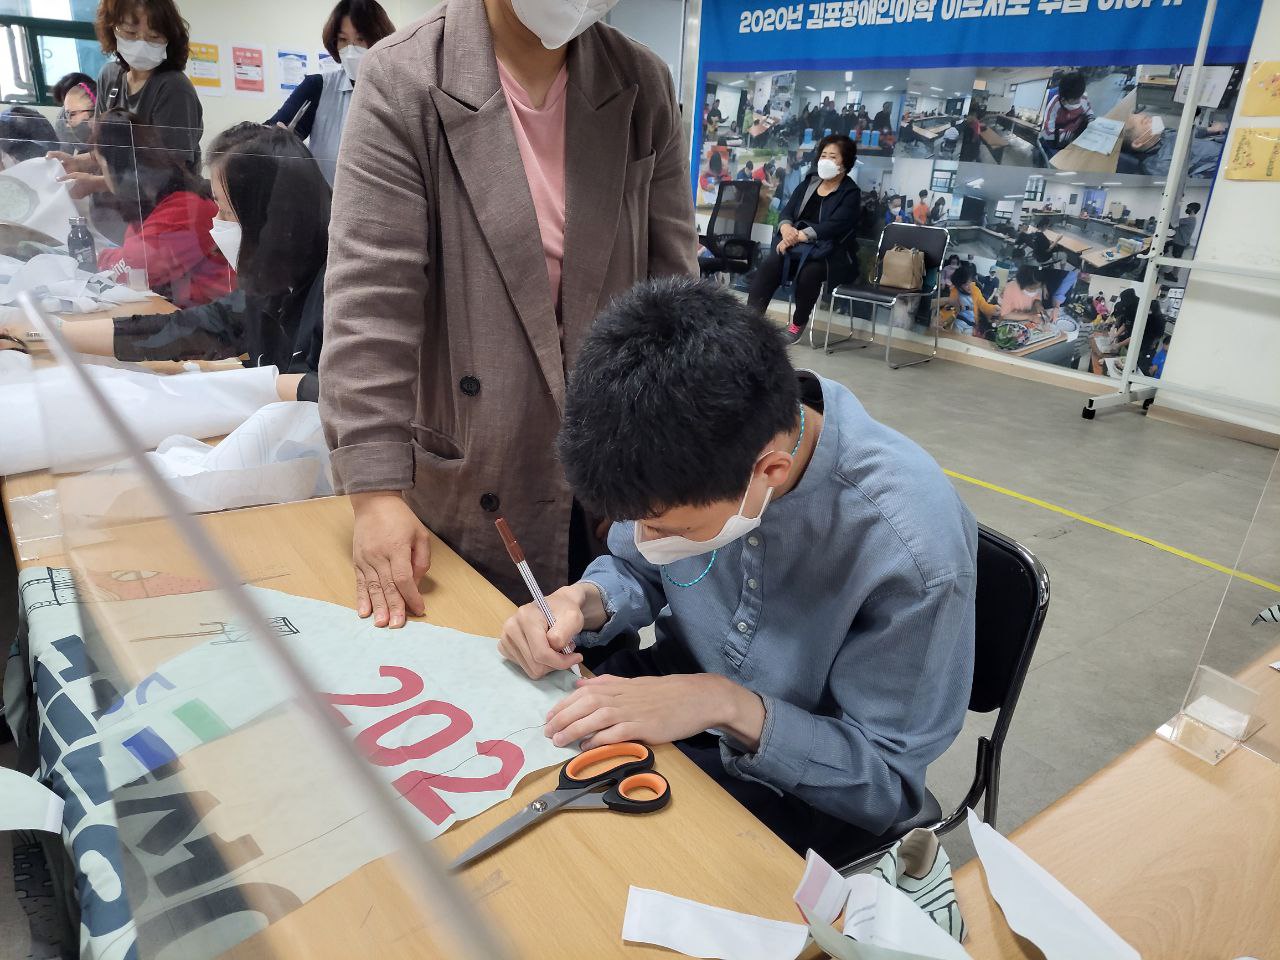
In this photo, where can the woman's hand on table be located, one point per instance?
(391, 551)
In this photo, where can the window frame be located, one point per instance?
(35, 28)
(1032, 193)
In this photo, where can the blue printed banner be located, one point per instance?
(867, 34)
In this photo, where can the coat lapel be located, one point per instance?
(478, 128)
(597, 145)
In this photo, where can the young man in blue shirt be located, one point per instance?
(810, 572)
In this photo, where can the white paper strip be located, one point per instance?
(1040, 908)
(884, 916)
(27, 804)
(822, 891)
(699, 930)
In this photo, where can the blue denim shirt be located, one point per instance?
(850, 611)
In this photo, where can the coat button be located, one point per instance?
(469, 385)
(490, 503)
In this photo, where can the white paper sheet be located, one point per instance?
(822, 892)
(1100, 136)
(278, 455)
(31, 195)
(884, 916)
(27, 804)
(700, 930)
(156, 407)
(1040, 908)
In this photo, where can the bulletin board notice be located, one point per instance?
(204, 68)
(1255, 155)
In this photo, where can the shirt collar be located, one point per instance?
(346, 85)
(823, 460)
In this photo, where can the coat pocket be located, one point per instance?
(435, 444)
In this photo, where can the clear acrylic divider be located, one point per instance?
(212, 791)
(1234, 695)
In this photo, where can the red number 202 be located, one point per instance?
(420, 788)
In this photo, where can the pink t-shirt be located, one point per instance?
(540, 136)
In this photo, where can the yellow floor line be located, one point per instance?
(1112, 528)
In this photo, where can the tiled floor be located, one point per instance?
(1127, 622)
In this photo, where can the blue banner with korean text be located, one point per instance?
(1039, 133)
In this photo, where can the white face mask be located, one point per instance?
(226, 236)
(556, 22)
(671, 549)
(828, 169)
(351, 56)
(141, 55)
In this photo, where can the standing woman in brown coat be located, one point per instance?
(508, 167)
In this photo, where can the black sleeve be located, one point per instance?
(791, 210)
(309, 387)
(213, 331)
(308, 91)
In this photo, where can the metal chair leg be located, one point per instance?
(933, 322)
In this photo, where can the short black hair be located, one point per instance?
(1071, 86)
(63, 86)
(282, 201)
(923, 194)
(963, 274)
(26, 134)
(848, 150)
(675, 392)
(367, 16)
(1027, 276)
(1193, 208)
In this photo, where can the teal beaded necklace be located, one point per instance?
(710, 563)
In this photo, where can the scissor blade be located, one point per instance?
(545, 804)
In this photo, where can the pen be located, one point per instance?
(517, 557)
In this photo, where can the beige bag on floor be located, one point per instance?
(903, 268)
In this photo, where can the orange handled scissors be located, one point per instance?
(623, 771)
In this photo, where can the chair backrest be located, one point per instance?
(931, 241)
(735, 209)
(1012, 600)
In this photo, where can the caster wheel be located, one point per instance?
(1088, 413)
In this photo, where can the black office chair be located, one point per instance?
(932, 242)
(1012, 600)
(729, 229)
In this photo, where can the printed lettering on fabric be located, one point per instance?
(197, 800)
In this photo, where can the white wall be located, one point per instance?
(655, 23)
(270, 24)
(1228, 337)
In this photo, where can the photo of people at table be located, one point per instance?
(1042, 266)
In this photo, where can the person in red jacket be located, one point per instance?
(168, 212)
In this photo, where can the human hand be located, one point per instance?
(537, 649)
(60, 155)
(655, 710)
(391, 552)
(783, 246)
(81, 185)
(789, 233)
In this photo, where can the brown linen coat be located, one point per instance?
(443, 371)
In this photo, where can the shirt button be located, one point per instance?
(754, 541)
(490, 503)
(742, 626)
(751, 584)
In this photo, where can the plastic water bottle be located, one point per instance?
(81, 246)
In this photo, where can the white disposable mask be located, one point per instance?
(226, 236)
(556, 22)
(139, 54)
(351, 56)
(828, 169)
(666, 550)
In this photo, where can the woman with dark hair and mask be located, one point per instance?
(273, 224)
(319, 105)
(150, 43)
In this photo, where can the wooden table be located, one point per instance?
(1072, 243)
(930, 128)
(1179, 857)
(1072, 157)
(560, 890)
(995, 141)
